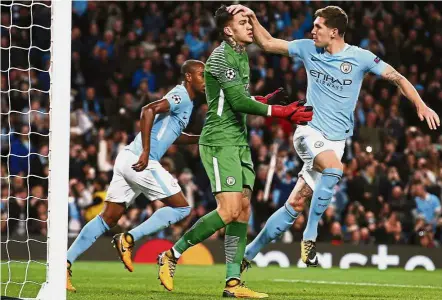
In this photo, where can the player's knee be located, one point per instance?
(230, 213)
(338, 165)
(229, 208)
(110, 220)
(111, 213)
(300, 196)
(298, 203)
(333, 164)
(225, 215)
(327, 160)
(234, 214)
(330, 177)
(246, 212)
(245, 203)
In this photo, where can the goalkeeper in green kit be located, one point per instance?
(225, 152)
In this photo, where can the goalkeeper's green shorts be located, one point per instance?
(230, 168)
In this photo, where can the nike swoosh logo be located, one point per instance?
(185, 118)
(319, 198)
(315, 59)
(123, 249)
(188, 241)
(312, 261)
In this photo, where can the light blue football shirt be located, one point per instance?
(334, 83)
(428, 207)
(167, 127)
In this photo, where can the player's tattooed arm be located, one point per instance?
(408, 90)
(186, 138)
(393, 76)
(148, 114)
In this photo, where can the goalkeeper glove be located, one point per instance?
(296, 112)
(278, 97)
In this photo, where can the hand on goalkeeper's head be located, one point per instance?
(236, 8)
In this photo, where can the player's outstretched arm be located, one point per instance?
(278, 97)
(148, 114)
(408, 90)
(296, 112)
(242, 103)
(186, 138)
(261, 36)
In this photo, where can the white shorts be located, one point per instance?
(308, 143)
(127, 184)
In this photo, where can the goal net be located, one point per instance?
(35, 104)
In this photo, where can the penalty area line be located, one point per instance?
(359, 283)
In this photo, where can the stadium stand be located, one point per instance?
(127, 54)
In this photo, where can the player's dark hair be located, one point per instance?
(189, 65)
(222, 17)
(335, 17)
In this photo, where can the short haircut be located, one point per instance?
(222, 17)
(335, 17)
(190, 65)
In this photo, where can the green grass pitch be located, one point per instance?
(109, 280)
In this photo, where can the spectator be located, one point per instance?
(107, 43)
(145, 72)
(196, 44)
(91, 105)
(21, 146)
(128, 54)
(427, 205)
(372, 41)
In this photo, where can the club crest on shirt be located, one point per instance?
(319, 144)
(176, 99)
(174, 182)
(230, 180)
(346, 67)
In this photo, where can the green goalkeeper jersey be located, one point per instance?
(225, 69)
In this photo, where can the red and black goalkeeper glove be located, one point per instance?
(278, 97)
(296, 112)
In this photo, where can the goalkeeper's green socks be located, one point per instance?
(203, 228)
(234, 246)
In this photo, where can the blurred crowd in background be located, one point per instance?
(128, 54)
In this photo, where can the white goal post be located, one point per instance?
(60, 93)
(53, 282)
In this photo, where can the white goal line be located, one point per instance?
(359, 283)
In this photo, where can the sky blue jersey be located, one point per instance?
(334, 83)
(167, 127)
(428, 207)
